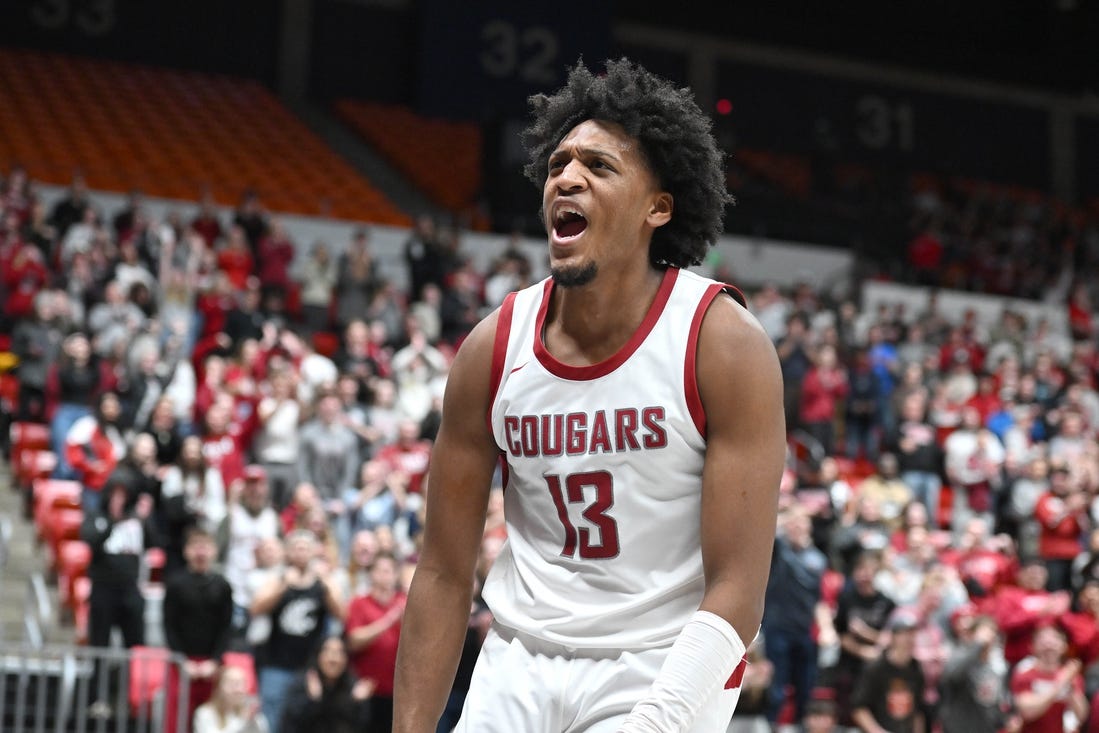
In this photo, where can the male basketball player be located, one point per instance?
(638, 408)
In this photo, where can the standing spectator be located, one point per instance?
(193, 494)
(861, 427)
(1049, 689)
(793, 595)
(166, 431)
(300, 603)
(118, 533)
(382, 495)
(329, 460)
(825, 386)
(357, 279)
(69, 209)
(885, 487)
(974, 458)
(245, 321)
(974, 697)
(890, 689)
(862, 612)
(114, 321)
(93, 447)
(207, 221)
(277, 442)
(198, 615)
(421, 253)
(373, 630)
(793, 352)
(37, 343)
(275, 255)
(919, 456)
(318, 283)
(221, 441)
(249, 521)
(327, 697)
(1062, 516)
(460, 309)
(72, 388)
(251, 216)
(1020, 609)
(408, 454)
(235, 258)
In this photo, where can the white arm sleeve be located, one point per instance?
(698, 665)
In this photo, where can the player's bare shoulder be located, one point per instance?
(735, 355)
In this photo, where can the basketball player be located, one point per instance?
(638, 408)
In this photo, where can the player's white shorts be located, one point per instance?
(525, 685)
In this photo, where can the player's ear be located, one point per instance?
(660, 211)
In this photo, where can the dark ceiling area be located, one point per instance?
(1051, 45)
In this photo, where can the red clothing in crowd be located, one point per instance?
(1061, 530)
(91, 452)
(275, 257)
(1019, 612)
(378, 660)
(237, 264)
(24, 274)
(225, 452)
(1082, 630)
(412, 458)
(820, 391)
(1028, 678)
(989, 569)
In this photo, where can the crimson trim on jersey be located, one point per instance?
(605, 367)
(690, 375)
(738, 675)
(499, 352)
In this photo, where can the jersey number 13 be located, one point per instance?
(600, 540)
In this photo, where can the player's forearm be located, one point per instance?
(432, 633)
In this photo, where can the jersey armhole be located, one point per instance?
(499, 353)
(690, 374)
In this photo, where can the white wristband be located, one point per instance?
(699, 664)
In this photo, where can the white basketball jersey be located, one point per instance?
(603, 480)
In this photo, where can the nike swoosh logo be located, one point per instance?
(519, 367)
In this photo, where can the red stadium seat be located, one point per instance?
(148, 675)
(34, 464)
(51, 495)
(73, 557)
(27, 436)
(82, 592)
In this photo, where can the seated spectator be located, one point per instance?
(327, 697)
(230, 709)
(1048, 688)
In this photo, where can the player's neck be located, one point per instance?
(588, 324)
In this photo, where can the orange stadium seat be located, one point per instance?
(415, 145)
(170, 134)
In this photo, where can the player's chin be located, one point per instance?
(575, 275)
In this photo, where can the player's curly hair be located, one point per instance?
(675, 138)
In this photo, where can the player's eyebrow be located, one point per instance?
(585, 152)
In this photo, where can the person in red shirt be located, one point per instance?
(1062, 516)
(985, 563)
(275, 254)
(373, 629)
(221, 445)
(1021, 608)
(409, 454)
(824, 386)
(235, 258)
(1048, 688)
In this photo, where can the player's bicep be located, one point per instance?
(740, 384)
(463, 458)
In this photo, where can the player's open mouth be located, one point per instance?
(568, 223)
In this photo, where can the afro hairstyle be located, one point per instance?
(675, 137)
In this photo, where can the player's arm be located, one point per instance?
(740, 385)
(463, 460)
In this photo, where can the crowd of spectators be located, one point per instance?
(268, 428)
(935, 568)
